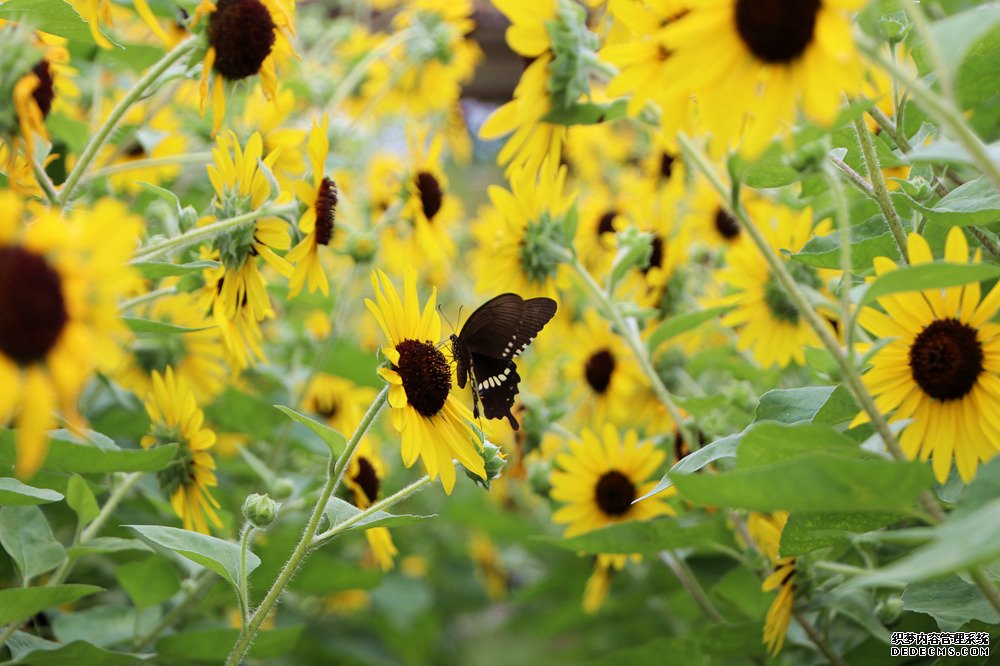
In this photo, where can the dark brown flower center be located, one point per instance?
(242, 32)
(46, 90)
(368, 479)
(135, 150)
(776, 31)
(431, 195)
(326, 210)
(946, 359)
(656, 256)
(32, 309)
(614, 493)
(605, 224)
(598, 370)
(666, 164)
(727, 225)
(328, 409)
(425, 374)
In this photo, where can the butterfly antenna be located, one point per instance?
(441, 312)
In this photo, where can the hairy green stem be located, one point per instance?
(628, 329)
(335, 472)
(145, 298)
(385, 503)
(843, 220)
(244, 584)
(44, 181)
(879, 188)
(856, 179)
(941, 110)
(201, 584)
(818, 639)
(135, 93)
(199, 234)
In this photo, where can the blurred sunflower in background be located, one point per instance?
(339, 401)
(245, 38)
(318, 221)
(767, 322)
(753, 64)
(941, 366)
(60, 283)
(433, 423)
(176, 418)
(364, 480)
(765, 529)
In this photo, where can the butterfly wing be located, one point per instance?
(486, 330)
(496, 385)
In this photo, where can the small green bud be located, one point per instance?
(494, 462)
(890, 609)
(635, 249)
(892, 29)
(260, 510)
(361, 246)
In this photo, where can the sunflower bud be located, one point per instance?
(361, 246)
(494, 462)
(574, 46)
(635, 249)
(260, 510)
(892, 29)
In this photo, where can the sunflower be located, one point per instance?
(176, 418)
(940, 368)
(767, 321)
(599, 582)
(766, 532)
(364, 479)
(708, 221)
(517, 235)
(430, 212)
(433, 423)
(490, 569)
(157, 136)
(745, 59)
(339, 401)
(532, 139)
(60, 281)
(241, 185)
(317, 222)
(245, 37)
(273, 121)
(197, 356)
(602, 373)
(96, 12)
(599, 478)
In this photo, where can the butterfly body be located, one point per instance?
(485, 349)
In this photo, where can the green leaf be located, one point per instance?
(768, 442)
(806, 532)
(338, 511)
(103, 545)
(647, 537)
(691, 463)
(951, 601)
(769, 170)
(222, 557)
(55, 17)
(81, 499)
(19, 603)
(824, 251)
(683, 323)
(36, 651)
(974, 202)
(809, 468)
(336, 442)
(956, 34)
(148, 582)
(140, 325)
(938, 274)
(104, 626)
(323, 574)
(163, 194)
(241, 412)
(74, 133)
(27, 537)
(213, 645)
(960, 543)
(587, 113)
(15, 493)
(792, 405)
(67, 456)
(949, 152)
(158, 269)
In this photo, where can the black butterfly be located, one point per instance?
(485, 348)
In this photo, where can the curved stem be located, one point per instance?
(167, 160)
(145, 298)
(334, 473)
(44, 181)
(879, 188)
(244, 585)
(940, 110)
(124, 104)
(202, 583)
(628, 329)
(843, 219)
(208, 231)
(385, 503)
